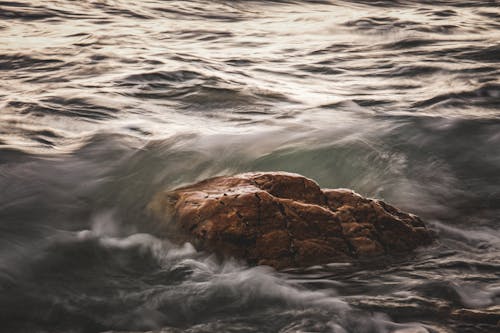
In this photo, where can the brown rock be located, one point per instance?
(285, 220)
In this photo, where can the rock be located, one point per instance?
(285, 220)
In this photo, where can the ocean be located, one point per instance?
(105, 103)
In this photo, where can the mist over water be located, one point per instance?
(105, 103)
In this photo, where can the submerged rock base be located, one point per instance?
(285, 220)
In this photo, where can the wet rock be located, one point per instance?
(285, 220)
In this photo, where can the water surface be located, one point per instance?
(105, 103)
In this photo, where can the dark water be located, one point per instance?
(104, 103)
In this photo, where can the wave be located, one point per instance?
(488, 95)
(486, 54)
(105, 103)
(195, 89)
(26, 62)
(139, 282)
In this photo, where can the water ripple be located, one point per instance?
(105, 103)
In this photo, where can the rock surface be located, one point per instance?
(285, 220)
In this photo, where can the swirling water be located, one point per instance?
(104, 103)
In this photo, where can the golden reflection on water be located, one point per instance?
(262, 56)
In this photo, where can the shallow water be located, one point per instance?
(104, 103)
